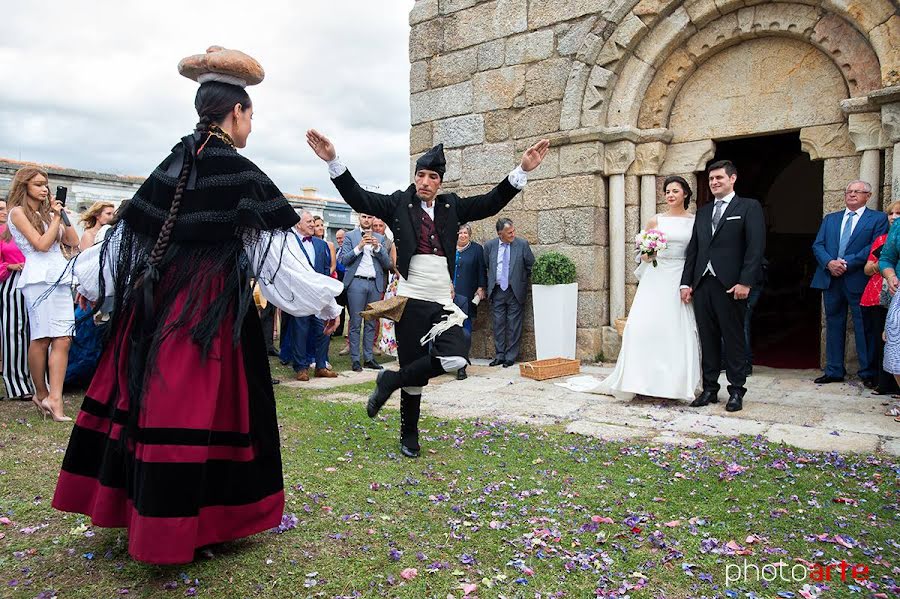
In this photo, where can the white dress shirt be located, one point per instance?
(856, 219)
(727, 200)
(366, 266)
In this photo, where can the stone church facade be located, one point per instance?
(631, 91)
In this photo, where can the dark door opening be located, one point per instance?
(774, 170)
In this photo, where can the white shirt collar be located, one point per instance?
(859, 211)
(726, 199)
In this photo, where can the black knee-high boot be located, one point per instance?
(409, 424)
(415, 374)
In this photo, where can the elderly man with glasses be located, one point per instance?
(841, 249)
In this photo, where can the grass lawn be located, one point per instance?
(490, 509)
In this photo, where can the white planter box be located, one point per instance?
(555, 319)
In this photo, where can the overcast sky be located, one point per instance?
(94, 85)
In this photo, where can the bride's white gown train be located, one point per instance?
(660, 353)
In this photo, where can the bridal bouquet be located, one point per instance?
(650, 242)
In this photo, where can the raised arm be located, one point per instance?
(359, 199)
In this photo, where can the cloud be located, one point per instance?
(94, 85)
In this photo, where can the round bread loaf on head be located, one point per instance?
(222, 64)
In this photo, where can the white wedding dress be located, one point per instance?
(660, 355)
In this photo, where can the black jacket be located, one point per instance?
(450, 211)
(736, 248)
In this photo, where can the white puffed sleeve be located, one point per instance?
(287, 280)
(86, 267)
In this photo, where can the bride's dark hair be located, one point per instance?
(684, 187)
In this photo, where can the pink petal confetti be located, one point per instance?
(409, 573)
(673, 523)
(602, 520)
(844, 542)
(468, 589)
(846, 500)
(331, 469)
(5, 520)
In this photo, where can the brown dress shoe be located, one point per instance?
(325, 373)
(302, 375)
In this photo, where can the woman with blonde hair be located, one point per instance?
(93, 219)
(36, 224)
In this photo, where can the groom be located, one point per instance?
(722, 261)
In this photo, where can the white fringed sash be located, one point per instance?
(429, 281)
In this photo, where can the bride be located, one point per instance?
(660, 355)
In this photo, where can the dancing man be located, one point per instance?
(430, 338)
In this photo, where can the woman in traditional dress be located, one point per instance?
(177, 439)
(14, 333)
(660, 355)
(37, 226)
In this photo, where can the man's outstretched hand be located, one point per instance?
(322, 146)
(330, 326)
(533, 156)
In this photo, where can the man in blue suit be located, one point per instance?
(308, 342)
(841, 249)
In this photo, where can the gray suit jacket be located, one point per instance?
(351, 261)
(520, 262)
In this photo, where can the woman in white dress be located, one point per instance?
(35, 222)
(660, 355)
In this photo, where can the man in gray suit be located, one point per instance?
(509, 261)
(366, 259)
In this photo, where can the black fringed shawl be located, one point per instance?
(228, 201)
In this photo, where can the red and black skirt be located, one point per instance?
(203, 465)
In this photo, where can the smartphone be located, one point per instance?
(61, 193)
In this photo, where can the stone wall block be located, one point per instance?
(549, 168)
(487, 163)
(632, 193)
(590, 309)
(838, 172)
(454, 165)
(454, 67)
(545, 81)
(570, 116)
(541, 14)
(446, 7)
(625, 102)
(484, 22)
(551, 226)
(491, 55)
(868, 13)
(423, 10)
(564, 192)
(498, 88)
(536, 120)
(420, 139)
(496, 125)
(579, 225)
(854, 54)
(418, 76)
(529, 47)
(832, 201)
(589, 264)
(687, 157)
(601, 227)
(581, 158)
(441, 102)
(827, 141)
(573, 39)
(460, 131)
(426, 39)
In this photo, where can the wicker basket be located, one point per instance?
(550, 368)
(620, 326)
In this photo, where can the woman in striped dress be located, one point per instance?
(14, 336)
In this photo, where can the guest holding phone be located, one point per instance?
(39, 226)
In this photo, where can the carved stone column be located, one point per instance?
(890, 122)
(648, 159)
(618, 157)
(865, 131)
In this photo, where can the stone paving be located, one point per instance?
(784, 406)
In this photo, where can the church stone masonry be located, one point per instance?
(631, 91)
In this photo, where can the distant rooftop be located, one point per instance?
(62, 171)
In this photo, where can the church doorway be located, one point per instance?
(774, 170)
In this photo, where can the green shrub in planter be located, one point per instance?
(553, 268)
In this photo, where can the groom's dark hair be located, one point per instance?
(728, 165)
(684, 187)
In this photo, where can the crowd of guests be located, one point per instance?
(364, 259)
